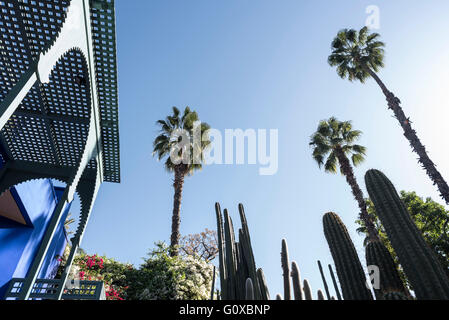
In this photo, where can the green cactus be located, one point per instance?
(213, 284)
(378, 255)
(320, 295)
(419, 262)
(326, 288)
(286, 270)
(236, 259)
(349, 269)
(307, 290)
(296, 280)
(334, 281)
(264, 294)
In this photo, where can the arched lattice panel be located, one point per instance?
(27, 139)
(42, 21)
(51, 124)
(68, 93)
(15, 56)
(70, 139)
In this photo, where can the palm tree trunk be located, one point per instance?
(346, 169)
(176, 217)
(415, 143)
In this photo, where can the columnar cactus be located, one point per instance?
(296, 280)
(334, 281)
(286, 270)
(249, 289)
(264, 293)
(320, 295)
(307, 290)
(326, 288)
(389, 280)
(419, 262)
(349, 269)
(236, 259)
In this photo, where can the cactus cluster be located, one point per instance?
(419, 262)
(303, 292)
(239, 278)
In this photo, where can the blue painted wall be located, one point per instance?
(19, 244)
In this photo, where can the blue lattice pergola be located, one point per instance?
(59, 106)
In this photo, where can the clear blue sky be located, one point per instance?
(262, 65)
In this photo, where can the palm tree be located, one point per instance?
(358, 55)
(181, 159)
(333, 145)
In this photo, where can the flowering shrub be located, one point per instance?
(109, 271)
(162, 277)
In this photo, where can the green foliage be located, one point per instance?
(431, 219)
(353, 52)
(162, 277)
(332, 135)
(107, 270)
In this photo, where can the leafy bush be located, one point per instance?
(111, 272)
(162, 277)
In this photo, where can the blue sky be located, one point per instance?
(262, 65)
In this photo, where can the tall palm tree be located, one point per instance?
(168, 144)
(333, 145)
(358, 55)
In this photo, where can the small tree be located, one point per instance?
(203, 245)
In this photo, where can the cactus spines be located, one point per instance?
(249, 289)
(395, 296)
(420, 264)
(349, 269)
(296, 280)
(334, 281)
(320, 295)
(278, 297)
(307, 290)
(286, 270)
(326, 288)
(264, 293)
(389, 280)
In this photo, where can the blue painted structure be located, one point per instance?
(37, 200)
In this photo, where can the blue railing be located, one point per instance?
(47, 289)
